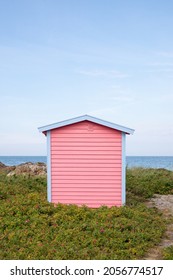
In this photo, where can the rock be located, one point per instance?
(29, 168)
(2, 165)
(163, 202)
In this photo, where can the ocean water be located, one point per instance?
(131, 161)
(150, 162)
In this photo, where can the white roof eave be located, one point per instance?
(86, 118)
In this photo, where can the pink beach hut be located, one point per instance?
(86, 162)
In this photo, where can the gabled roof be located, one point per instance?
(86, 118)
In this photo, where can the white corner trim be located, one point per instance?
(49, 166)
(123, 168)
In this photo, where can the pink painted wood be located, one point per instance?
(86, 165)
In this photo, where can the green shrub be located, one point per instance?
(32, 228)
(168, 253)
(144, 183)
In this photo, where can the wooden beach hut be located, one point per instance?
(86, 162)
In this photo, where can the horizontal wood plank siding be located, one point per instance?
(86, 161)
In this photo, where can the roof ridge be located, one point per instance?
(89, 118)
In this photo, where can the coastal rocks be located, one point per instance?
(2, 165)
(29, 169)
(6, 168)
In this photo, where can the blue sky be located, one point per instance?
(112, 59)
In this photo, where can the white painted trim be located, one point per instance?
(86, 118)
(123, 168)
(49, 166)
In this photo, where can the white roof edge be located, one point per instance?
(86, 118)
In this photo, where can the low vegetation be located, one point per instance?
(32, 228)
(143, 183)
(168, 253)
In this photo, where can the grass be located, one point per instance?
(168, 253)
(32, 228)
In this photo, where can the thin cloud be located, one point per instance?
(116, 87)
(160, 67)
(103, 111)
(104, 73)
(122, 98)
(165, 54)
(161, 70)
(161, 64)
